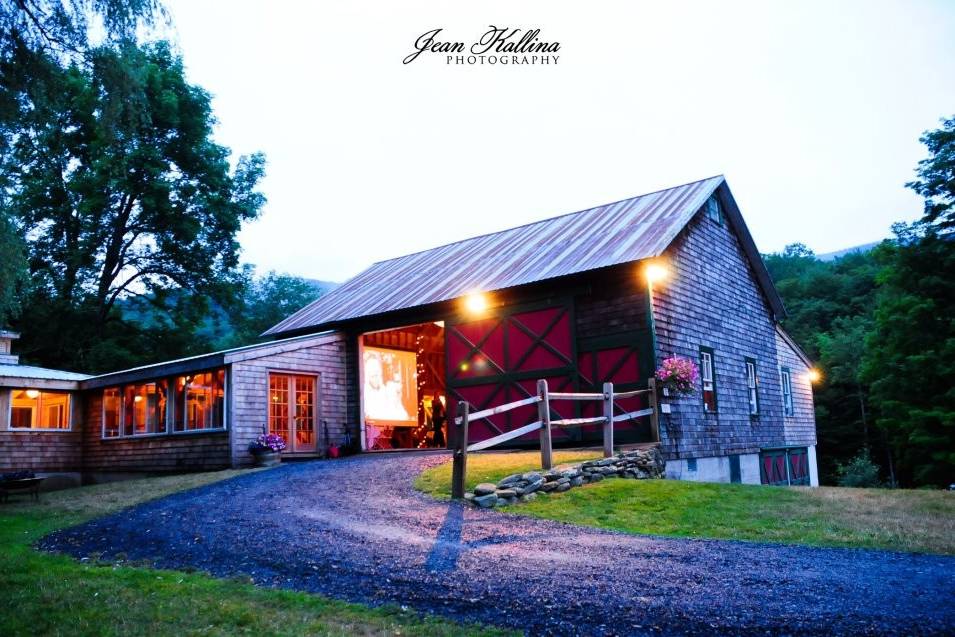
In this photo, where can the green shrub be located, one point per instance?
(859, 472)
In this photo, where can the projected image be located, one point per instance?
(390, 392)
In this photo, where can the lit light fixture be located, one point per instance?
(464, 367)
(137, 399)
(814, 375)
(475, 302)
(654, 272)
(32, 393)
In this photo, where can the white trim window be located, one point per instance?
(752, 387)
(708, 378)
(786, 380)
(713, 210)
(41, 410)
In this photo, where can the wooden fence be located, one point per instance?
(544, 424)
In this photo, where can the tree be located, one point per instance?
(113, 174)
(12, 269)
(57, 26)
(936, 182)
(910, 353)
(265, 301)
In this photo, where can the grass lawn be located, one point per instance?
(54, 595)
(902, 520)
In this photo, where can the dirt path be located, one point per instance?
(355, 529)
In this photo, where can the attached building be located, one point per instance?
(383, 358)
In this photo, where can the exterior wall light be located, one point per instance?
(814, 375)
(655, 272)
(32, 393)
(475, 302)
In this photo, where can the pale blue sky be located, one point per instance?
(811, 109)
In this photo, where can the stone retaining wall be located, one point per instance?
(639, 464)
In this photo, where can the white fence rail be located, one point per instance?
(544, 424)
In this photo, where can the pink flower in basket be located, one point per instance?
(679, 375)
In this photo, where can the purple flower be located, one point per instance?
(679, 375)
(267, 442)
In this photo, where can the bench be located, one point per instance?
(21, 485)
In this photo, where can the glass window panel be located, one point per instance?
(278, 405)
(304, 413)
(35, 409)
(752, 386)
(111, 412)
(199, 402)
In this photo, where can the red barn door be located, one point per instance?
(622, 360)
(497, 360)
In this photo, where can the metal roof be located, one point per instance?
(39, 373)
(624, 231)
(196, 363)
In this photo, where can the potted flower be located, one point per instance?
(267, 450)
(678, 376)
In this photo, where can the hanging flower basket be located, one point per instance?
(678, 376)
(267, 450)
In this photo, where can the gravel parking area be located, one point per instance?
(355, 529)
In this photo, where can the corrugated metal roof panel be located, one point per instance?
(40, 373)
(619, 232)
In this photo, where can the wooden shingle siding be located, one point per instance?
(711, 299)
(161, 453)
(249, 401)
(800, 428)
(38, 450)
(615, 303)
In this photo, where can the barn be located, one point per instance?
(600, 295)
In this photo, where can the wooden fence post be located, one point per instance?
(608, 425)
(543, 410)
(654, 404)
(459, 467)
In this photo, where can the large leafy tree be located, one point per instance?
(62, 26)
(936, 176)
(261, 302)
(12, 269)
(909, 359)
(117, 184)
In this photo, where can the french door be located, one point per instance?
(293, 410)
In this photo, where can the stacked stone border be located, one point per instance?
(639, 464)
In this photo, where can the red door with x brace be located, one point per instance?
(498, 359)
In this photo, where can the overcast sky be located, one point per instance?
(811, 110)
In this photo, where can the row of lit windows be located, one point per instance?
(708, 379)
(193, 402)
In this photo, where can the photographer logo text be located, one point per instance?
(498, 45)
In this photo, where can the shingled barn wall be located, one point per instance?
(800, 428)
(711, 299)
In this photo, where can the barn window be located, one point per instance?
(199, 402)
(708, 378)
(752, 386)
(787, 382)
(713, 210)
(144, 408)
(35, 409)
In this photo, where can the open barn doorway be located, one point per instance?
(403, 399)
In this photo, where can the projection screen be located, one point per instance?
(389, 387)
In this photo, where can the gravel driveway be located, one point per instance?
(355, 529)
